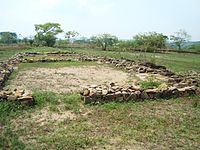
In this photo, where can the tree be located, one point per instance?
(104, 40)
(125, 45)
(46, 33)
(180, 38)
(8, 37)
(151, 40)
(71, 34)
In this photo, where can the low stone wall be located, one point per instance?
(103, 93)
(21, 96)
(178, 85)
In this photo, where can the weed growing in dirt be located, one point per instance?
(150, 83)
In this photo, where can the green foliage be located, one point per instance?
(150, 83)
(46, 34)
(71, 34)
(125, 45)
(195, 47)
(104, 40)
(151, 41)
(180, 38)
(8, 37)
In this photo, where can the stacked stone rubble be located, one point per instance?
(21, 96)
(102, 93)
(178, 85)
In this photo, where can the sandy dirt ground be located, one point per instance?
(67, 79)
(72, 79)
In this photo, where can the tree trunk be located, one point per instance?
(179, 47)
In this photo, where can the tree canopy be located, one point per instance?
(180, 38)
(151, 40)
(71, 34)
(46, 33)
(8, 37)
(104, 40)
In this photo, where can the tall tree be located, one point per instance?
(46, 33)
(104, 40)
(180, 38)
(8, 37)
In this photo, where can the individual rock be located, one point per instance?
(149, 70)
(93, 86)
(12, 98)
(104, 92)
(141, 70)
(7, 93)
(133, 96)
(86, 92)
(87, 100)
(3, 95)
(28, 100)
(115, 87)
(152, 93)
(134, 88)
(144, 95)
(118, 93)
(137, 94)
(112, 84)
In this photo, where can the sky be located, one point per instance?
(123, 18)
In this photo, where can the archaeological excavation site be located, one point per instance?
(97, 79)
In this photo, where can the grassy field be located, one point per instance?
(61, 121)
(178, 62)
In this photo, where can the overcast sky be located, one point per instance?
(123, 18)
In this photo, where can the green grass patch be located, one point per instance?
(177, 62)
(25, 66)
(150, 83)
(51, 99)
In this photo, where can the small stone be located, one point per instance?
(117, 93)
(115, 88)
(7, 92)
(104, 92)
(144, 95)
(18, 94)
(137, 93)
(141, 70)
(111, 91)
(86, 92)
(87, 100)
(151, 91)
(133, 96)
(12, 98)
(26, 100)
(134, 88)
(112, 84)
(172, 88)
(93, 86)
(124, 93)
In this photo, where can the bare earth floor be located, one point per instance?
(72, 78)
(67, 79)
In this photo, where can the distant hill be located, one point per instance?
(192, 43)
